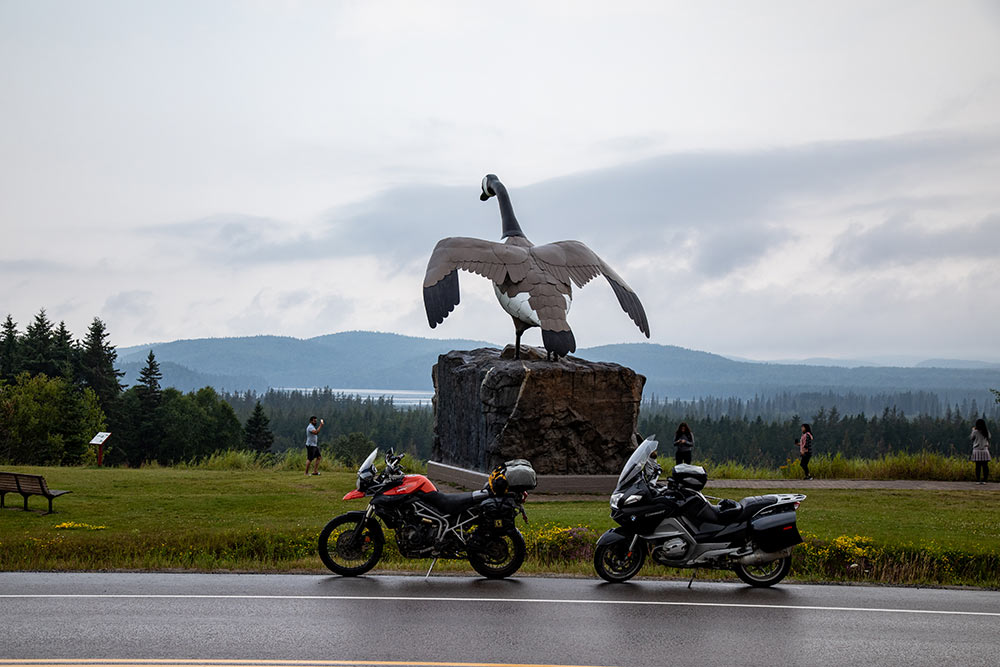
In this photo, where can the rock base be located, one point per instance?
(568, 417)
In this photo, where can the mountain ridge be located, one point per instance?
(375, 360)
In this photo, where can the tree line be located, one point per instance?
(407, 429)
(57, 392)
(759, 442)
(783, 405)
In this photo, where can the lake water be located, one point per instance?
(400, 397)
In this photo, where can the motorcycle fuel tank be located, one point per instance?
(412, 484)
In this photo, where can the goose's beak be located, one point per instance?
(483, 197)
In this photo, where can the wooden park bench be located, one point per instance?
(26, 485)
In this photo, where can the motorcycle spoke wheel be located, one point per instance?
(348, 551)
(501, 555)
(615, 563)
(764, 574)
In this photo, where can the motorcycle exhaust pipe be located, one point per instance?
(761, 557)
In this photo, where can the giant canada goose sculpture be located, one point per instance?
(531, 282)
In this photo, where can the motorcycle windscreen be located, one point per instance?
(369, 462)
(635, 462)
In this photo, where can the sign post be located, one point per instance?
(99, 441)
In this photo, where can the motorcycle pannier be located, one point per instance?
(775, 532)
(689, 476)
(513, 476)
(499, 512)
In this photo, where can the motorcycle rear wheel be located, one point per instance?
(502, 555)
(765, 574)
(614, 563)
(348, 552)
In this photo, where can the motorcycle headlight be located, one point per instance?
(615, 497)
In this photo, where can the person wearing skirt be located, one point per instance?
(980, 438)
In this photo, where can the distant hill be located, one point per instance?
(369, 360)
(677, 372)
(957, 363)
(353, 359)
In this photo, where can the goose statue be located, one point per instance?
(532, 283)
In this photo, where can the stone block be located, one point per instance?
(568, 417)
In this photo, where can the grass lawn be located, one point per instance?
(264, 520)
(967, 521)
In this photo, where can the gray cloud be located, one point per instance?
(718, 253)
(133, 302)
(230, 239)
(21, 266)
(900, 241)
(730, 206)
(726, 203)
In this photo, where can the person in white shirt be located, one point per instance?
(312, 444)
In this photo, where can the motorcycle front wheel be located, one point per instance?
(501, 555)
(764, 574)
(615, 563)
(349, 548)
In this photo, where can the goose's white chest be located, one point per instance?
(519, 308)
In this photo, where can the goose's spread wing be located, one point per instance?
(572, 260)
(489, 259)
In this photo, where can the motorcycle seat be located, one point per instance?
(729, 511)
(454, 503)
(753, 504)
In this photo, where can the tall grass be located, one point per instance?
(293, 459)
(899, 465)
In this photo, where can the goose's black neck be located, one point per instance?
(507, 217)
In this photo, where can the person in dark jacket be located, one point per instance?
(684, 442)
(805, 444)
(980, 438)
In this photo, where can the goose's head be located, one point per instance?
(492, 187)
(488, 190)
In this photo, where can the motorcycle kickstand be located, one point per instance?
(430, 568)
(693, 575)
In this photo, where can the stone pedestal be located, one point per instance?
(568, 417)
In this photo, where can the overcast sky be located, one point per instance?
(774, 179)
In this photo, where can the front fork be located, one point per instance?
(359, 531)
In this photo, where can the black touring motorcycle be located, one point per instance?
(477, 526)
(677, 526)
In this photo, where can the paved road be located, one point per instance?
(451, 620)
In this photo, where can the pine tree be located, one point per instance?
(257, 435)
(65, 353)
(150, 392)
(97, 366)
(38, 347)
(149, 421)
(10, 350)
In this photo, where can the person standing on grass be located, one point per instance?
(684, 442)
(805, 444)
(980, 438)
(312, 444)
